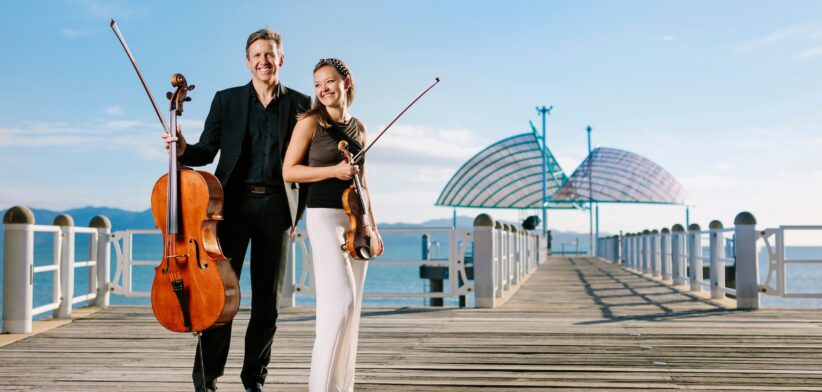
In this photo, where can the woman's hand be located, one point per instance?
(345, 171)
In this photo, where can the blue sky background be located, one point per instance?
(724, 95)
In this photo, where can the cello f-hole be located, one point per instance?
(197, 253)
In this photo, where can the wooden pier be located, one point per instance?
(575, 324)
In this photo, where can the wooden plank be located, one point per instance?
(577, 324)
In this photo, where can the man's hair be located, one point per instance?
(268, 35)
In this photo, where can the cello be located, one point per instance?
(194, 286)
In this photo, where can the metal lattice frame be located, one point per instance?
(619, 176)
(507, 174)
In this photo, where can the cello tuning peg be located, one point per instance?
(191, 87)
(188, 99)
(168, 94)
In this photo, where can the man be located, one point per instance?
(251, 126)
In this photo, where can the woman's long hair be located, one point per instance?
(318, 109)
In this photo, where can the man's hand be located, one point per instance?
(181, 141)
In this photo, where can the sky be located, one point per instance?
(726, 96)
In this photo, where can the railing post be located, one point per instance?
(655, 261)
(617, 245)
(638, 252)
(747, 261)
(717, 266)
(665, 252)
(66, 223)
(677, 260)
(103, 226)
(646, 251)
(695, 256)
(502, 246)
(18, 269)
(624, 249)
(514, 254)
(484, 271)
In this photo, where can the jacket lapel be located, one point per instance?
(285, 110)
(242, 124)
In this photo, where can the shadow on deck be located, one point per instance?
(576, 324)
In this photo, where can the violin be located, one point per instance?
(362, 240)
(194, 286)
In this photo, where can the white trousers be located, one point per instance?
(338, 281)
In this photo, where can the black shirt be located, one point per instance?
(260, 158)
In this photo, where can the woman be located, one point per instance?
(338, 278)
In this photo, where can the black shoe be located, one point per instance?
(209, 387)
(256, 388)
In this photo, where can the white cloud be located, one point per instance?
(709, 182)
(134, 199)
(124, 134)
(113, 110)
(794, 38)
(412, 144)
(119, 125)
(808, 53)
(666, 38)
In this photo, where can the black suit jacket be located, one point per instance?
(226, 127)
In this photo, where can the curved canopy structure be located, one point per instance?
(507, 174)
(609, 175)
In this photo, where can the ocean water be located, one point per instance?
(402, 278)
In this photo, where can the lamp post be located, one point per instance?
(590, 195)
(544, 112)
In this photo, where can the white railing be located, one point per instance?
(778, 262)
(504, 257)
(665, 254)
(516, 255)
(458, 242)
(678, 248)
(20, 269)
(123, 242)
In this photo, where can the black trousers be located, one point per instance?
(265, 221)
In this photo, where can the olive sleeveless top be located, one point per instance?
(323, 152)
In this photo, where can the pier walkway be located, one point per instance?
(576, 324)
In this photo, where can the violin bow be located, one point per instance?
(359, 156)
(116, 30)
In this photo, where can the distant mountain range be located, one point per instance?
(122, 220)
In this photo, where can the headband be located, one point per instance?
(337, 64)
